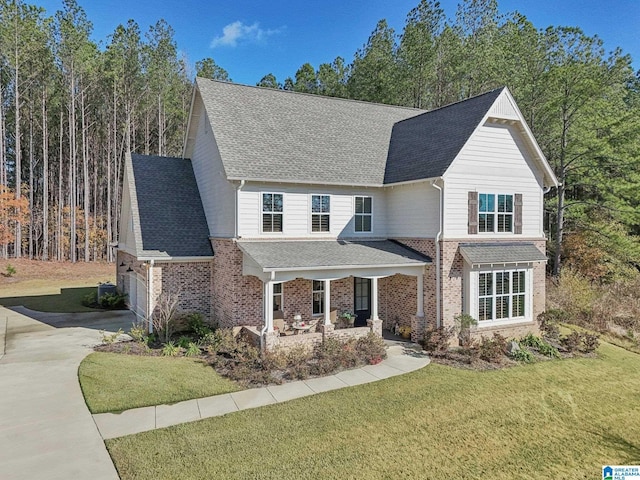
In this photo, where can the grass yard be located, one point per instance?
(560, 419)
(52, 286)
(114, 382)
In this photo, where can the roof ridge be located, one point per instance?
(314, 95)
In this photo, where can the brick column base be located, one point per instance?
(270, 341)
(418, 327)
(327, 330)
(375, 326)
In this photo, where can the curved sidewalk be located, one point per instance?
(401, 359)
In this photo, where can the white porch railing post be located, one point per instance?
(268, 305)
(374, 298)
(420, 295)
(327, 302)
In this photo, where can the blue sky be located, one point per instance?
(250, 38)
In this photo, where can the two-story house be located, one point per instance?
(303, 205)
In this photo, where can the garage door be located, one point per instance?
(138, 295)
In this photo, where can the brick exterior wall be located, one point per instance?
(236, 299)
(191, 281)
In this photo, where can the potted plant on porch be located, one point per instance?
(347, 319)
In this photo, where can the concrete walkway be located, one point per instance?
(46, 430)
(402, 358)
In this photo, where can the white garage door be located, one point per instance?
(138, 295)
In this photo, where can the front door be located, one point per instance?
(362, 300)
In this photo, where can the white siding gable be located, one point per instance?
(494, 160)
(217, 193)
(504, 108)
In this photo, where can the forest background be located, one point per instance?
(70, 109)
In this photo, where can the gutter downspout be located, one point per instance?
(237, 207)
(150, 292)
(438, 238)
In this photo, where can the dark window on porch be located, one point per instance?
(318, 297)
(277, 297)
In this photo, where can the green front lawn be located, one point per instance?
(558, 419)
(114, 382)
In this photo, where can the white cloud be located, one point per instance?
(238, 32)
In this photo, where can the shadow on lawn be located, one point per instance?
(69, 300)
(630, 451)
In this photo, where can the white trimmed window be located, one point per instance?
(363, 214)
(318, 297)
(277, 297)
(272, 207)
(495, 213)
(503, 295)
(320, 213)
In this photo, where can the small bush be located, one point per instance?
(371, 348)
(523, 355)
(138, 332)
(192, 350)
(112, 301)
(572, 341)
(540, 345)
(10, 270)
(170, 349)
(492, 349)
(549, 321)
(90, 300)
(110, 338)
(436, 340)
(464, 322)
(590, 342)
(184, 341)
(196, 324)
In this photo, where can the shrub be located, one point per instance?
(221, 341)
(464, 322)
(196, 324)
(492, 349)
(549, 321)
(112, 301)
(90, 300)
(371, 348)
(10, 270)
(165, 315)
(540, 345)
(523, 355)
(138, 332)
(327, 356)
(109, 338)
(572, 341)
(170, 349)
(590, 342)
(184, 341)
(436, 340)
(192, 350)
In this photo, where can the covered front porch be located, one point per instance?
(309, 287)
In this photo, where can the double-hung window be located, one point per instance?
(320, 213)
(501, 295)
(272, 207)
(495, 213)
(318, 297)
(363, 214)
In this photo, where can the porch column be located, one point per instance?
(420, 295)
(268, 305)
(374, 298)
(327, 302)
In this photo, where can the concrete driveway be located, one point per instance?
(46, 430)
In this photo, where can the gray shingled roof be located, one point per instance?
(425, 145)
(172, 219)
(315, 254)
(268, 134)
(490, 253)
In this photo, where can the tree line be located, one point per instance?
(70, 111)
